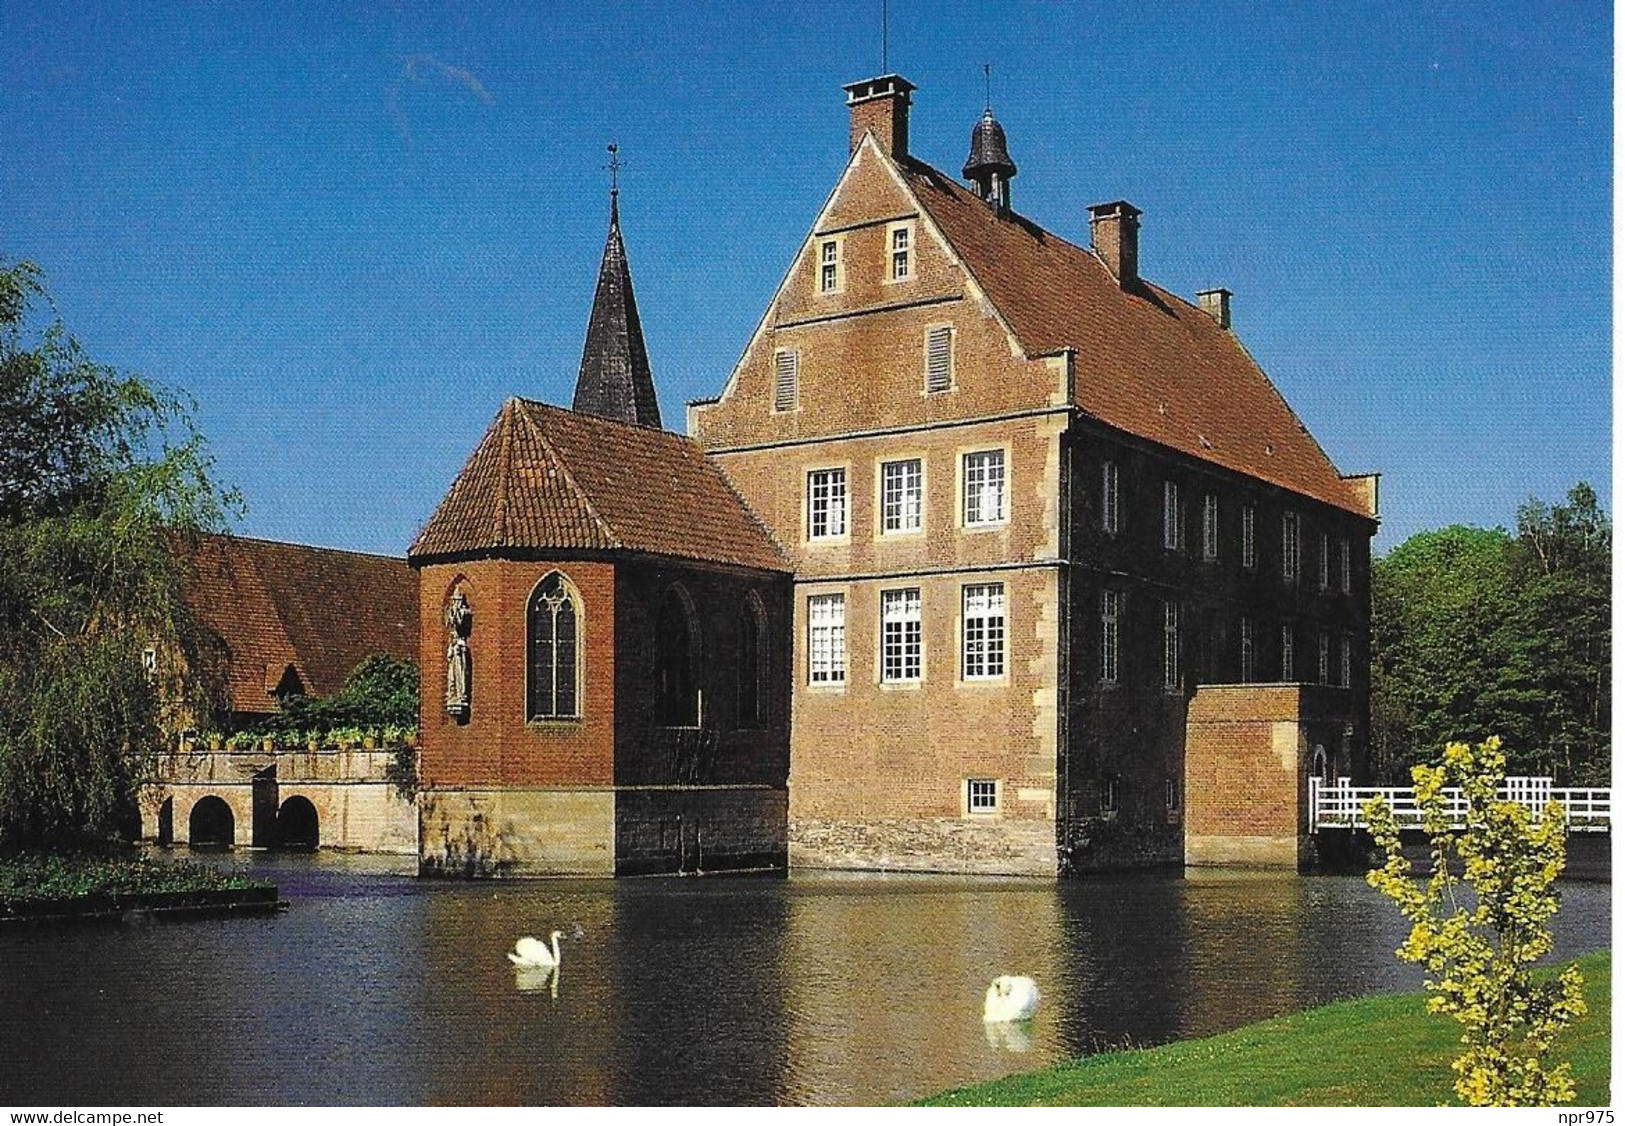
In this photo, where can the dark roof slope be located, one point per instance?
(615, 380)
(1147, 362)
(314, 609)
(544, 478)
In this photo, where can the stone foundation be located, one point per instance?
(516, 832)
(955, 845)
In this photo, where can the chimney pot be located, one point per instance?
(1115, 230)
(1216, 304)
(880, 106)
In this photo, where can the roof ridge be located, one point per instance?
(305, 546)
(570, 479)
(499, 513)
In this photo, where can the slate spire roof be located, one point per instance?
(615, 381)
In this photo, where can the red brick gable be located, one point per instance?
(544, 478)
(1147, 362)
(317, 610)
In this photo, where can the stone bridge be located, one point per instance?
(278, 799)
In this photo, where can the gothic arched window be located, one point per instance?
(553, 657)
(677, 655)
(752, 661)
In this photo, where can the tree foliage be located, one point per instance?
(1481, 957)
(1477, 631)
(380, 692)
(102, 477)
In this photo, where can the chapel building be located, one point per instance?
(1037, 507)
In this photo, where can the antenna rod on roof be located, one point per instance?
(987, 82)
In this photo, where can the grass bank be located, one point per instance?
(1376, 1051)
(30, 877)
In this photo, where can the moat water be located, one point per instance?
(378, 988)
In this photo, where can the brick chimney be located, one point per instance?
(880, 106)
(1114, 228)
(1216, 304)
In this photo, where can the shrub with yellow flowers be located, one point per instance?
(1479, 924)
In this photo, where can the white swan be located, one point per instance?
(1010, 998)
(531, 953)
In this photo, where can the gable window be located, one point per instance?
(1249, 650)
(829, 266)
(786, 380)
(553, 651)
(900, 635)
(902, 238)
(826, 504)
(1289, 548)
(1170, 646)
(677, 656)
(1287, 662)
(1210, 527)
(982, 795)
(1345, 666)
(1323, 667)
(1346, 567)
(1325, 561)
(984, 488)
(1108, 497)
(1249, 540)
(939, 358)
(1173, 528)
(902, 496)
(982, 631)
(826, 639)
(1111, 608)
(752, 661)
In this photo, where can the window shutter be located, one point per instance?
(939, 343)
(785, 372)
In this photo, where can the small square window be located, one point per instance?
(982, 795)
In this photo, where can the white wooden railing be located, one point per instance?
(1341, 804)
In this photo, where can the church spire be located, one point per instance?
(615, 381)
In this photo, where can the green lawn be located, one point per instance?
(1377, 1051)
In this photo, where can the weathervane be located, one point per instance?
(987, 83)
(614, 167)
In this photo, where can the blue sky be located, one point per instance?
(349, 231)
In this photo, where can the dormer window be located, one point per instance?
(829, 266)
(901, 241)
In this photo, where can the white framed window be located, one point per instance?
(829, 266)
(1210, 527)
(826, 504)
(902, 496)
(826, 639)
(984, 488)
(1111, 609)
(1346, 567)
(1108, 497)
(1289, 548)
(900, 643)
(1345, 665)
(1173, 527)
(939, 358)
(901, 242)
(1249, 537)
(1249, 650)
(1323, 659)
(786, 380)
(982, 631)
(1287, 663)
(982, 795)
(1325, 561)
(1170, 646)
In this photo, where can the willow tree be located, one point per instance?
(103, 481)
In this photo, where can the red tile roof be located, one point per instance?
(1147, 362)
(544, 478)
(315, 609)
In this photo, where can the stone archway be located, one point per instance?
(212, 824)
(297, 825)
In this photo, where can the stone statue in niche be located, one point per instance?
(459, 664)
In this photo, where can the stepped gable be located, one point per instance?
(547, 479)
(615, 380)
(1148, 362)
(312, 610)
